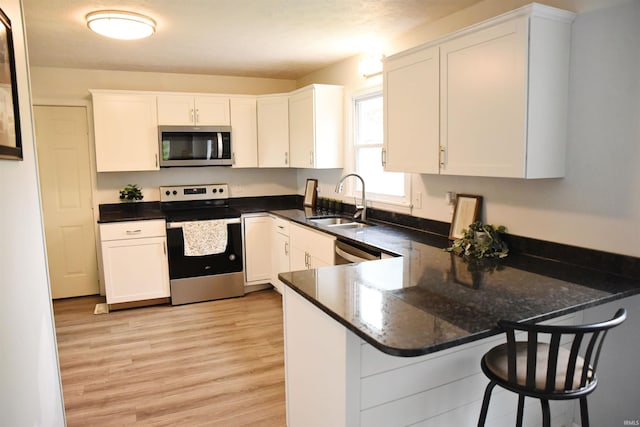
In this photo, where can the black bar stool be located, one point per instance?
(547, 371)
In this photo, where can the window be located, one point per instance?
(368, 139)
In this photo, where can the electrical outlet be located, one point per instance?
(417, 200)
(450, 198)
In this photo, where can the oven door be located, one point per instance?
(208, 277)
(181, 266)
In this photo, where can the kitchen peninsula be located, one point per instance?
(398, 341)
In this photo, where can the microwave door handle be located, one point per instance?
(209, 148)
(219, 145)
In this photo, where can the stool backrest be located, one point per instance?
(585, 344)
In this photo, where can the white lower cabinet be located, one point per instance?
(280, 251)
(333, 378)
(257, 248)
(134, 259)
(309, 248)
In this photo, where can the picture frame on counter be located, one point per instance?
(465, 213)
(10, 138)
(310, 192)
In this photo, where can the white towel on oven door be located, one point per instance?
(204, 237)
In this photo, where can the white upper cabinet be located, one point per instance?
(273, 131)
(125, 131)
(412, 112)
(190, 110)
(244, 132)
(316, 129)
(503, 91)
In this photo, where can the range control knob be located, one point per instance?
(167, 192)
(232, 257)
(214, 191)
(175, 192)
(222, 190)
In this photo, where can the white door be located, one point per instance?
(65, 181)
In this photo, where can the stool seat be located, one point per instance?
(551, 363)
(497, 363)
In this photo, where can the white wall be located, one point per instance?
(30, 388)
(595, 205)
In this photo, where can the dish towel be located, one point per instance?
(204, 237)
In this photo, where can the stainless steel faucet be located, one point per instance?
(361, 210)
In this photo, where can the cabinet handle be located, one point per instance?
(164, 246)
(286, 158)
(132, 232)
(193, 116)
(233, 158)
(443, 155)
(286, 248)
(156, 160)
(311, 158)
(197, 115)
(384, 157)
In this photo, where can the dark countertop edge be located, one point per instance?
(471, 337)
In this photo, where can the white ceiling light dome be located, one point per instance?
(121, 25)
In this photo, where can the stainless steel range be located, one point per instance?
(204, 238)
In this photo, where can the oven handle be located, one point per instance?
(179, 224)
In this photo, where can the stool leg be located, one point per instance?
(584, 412)
(485, 404)
(546, 414)
(520, 410)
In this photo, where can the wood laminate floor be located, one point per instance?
(217, 363)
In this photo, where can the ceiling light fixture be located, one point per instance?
(121, 25)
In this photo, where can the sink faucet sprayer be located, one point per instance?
(361, 210)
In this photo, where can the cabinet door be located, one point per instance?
(257, 241)
(244, 132)
(411, 112)
(280, 258)
(126, 132)
(273, 132)
(483, 101)
(302, 129)
(135, 269)
(176, 110)
(310, 248)
(212, 111)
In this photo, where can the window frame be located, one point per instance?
(353, 188)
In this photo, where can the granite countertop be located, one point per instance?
(427, 300)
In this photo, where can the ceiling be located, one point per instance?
(283, 39)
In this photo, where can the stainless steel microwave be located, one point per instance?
(194, 146)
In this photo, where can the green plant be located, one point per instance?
(480, 241)
(131, 192)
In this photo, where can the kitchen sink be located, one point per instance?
(338, 222)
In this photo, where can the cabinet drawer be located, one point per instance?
(281, 225)
(132, 230)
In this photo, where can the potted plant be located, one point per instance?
(481, 248)
(131, 193)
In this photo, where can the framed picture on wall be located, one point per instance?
(465, 213)
(310, 192)
(10, 141)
